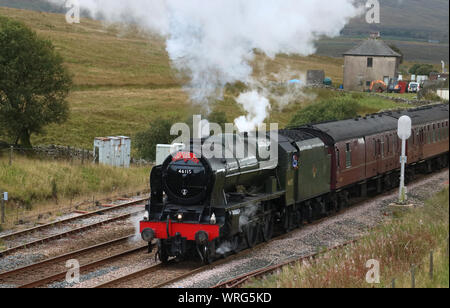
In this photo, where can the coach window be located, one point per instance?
(388, 145)
(348, 156)
(434, 133)
(394, 143)
(439, 132)
(375, 148)
(428, 135)
(445, 131)
(338, 157)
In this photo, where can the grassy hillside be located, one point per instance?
(410, 25)
(101, 55)
(37, 5)
(410, 19)
(414, 51)
(123, 80)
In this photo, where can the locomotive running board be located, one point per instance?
(252, 200)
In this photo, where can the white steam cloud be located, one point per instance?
(213, 41)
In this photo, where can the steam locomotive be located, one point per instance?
(208, 208)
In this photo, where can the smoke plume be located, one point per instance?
(213, 41)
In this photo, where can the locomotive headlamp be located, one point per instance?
(148, 235)
(213, 219)
(180, 216)
(146, 215)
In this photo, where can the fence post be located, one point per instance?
(431, 265)
(11, 152)
(393, 283)
(413, 277)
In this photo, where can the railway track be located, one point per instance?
(54, 269)
(239, 281)
(185, 269)
(130, 279)
(173, 272)
(68, 221)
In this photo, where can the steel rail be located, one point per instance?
(63, 257)
(67, 233)
(238, 281)
(71, 219)
(133, 275)
(62, 275)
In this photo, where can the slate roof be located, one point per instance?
(372, 47)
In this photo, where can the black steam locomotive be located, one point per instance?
(210, 207)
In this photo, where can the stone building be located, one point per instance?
(372, 60)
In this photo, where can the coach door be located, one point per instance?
(379, 154)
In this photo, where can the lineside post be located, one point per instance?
(4, 197)
(404, 133)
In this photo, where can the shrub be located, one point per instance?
(326, 110)
(157, 133)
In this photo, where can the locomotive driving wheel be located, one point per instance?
(251, 235)
(267, 228)
(162, 253)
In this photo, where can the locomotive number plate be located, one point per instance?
(185, 171)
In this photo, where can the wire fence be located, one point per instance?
(65, 153)
(426, 266)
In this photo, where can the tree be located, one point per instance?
(421, 69)
(34, 84)
(326, 110)
(157, 133)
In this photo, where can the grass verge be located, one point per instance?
(34, 185)
(407, 239)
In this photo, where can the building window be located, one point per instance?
(369, 62)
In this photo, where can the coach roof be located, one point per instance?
(378, 123)
(357, 128)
